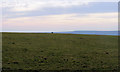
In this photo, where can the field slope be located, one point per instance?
(22, 51)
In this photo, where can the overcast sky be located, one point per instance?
(59, 15)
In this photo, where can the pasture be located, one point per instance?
(42, 51)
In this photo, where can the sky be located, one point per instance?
(59, 15)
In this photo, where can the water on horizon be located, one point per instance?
(93, 32)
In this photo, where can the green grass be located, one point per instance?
(59, 52)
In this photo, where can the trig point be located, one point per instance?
(52, 32)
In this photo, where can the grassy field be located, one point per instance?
(22, 51)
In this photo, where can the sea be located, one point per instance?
(116, 33)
